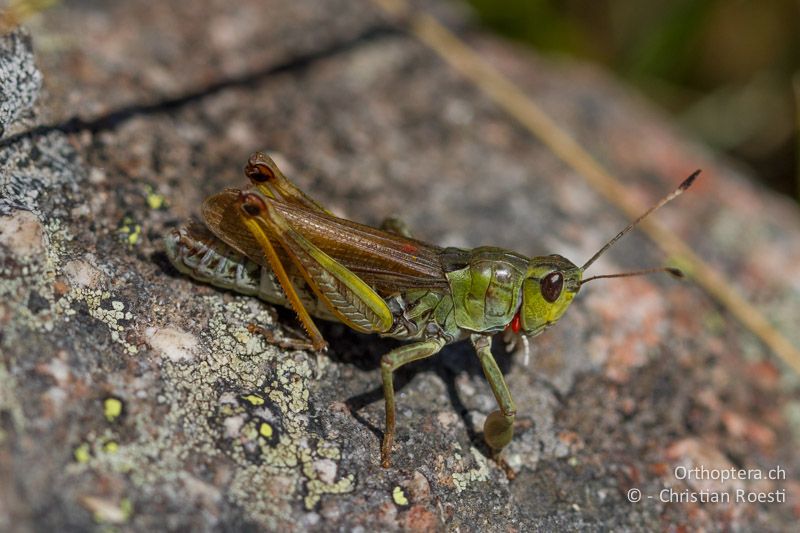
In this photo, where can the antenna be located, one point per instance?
(669, 270)
(671, 196)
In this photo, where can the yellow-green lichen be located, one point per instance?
(94, 447)
(265, 430)
(399, 496)
(154, 200)
(82, 453)
(254, 399)
(130, 231)
(112, 408)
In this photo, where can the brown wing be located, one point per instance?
(386, 261)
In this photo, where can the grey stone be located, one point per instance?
(20, 80)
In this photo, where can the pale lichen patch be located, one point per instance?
(317, 488)
(31, 274)
(82, 274)
(325, 470)
(22, 233)
(38, 274)
(98, 302)
(172, 342)
(233, 426)
(58, 369)
(108, 511)
(230, 395)
(239, 402)
(463, 480)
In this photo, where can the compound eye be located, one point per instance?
(551, 286)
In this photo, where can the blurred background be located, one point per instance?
(728, 70)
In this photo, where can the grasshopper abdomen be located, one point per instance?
(196, 252)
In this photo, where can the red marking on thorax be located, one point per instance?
(515, 323)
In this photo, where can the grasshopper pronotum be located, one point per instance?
(274, 242)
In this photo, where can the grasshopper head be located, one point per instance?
(551, 282)
(547, 290)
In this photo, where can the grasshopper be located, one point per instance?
(273, 241)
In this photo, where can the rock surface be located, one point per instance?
(130, 395)
(20, 80)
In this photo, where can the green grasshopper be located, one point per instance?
(274, 242)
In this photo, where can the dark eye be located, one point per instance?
(551, 286)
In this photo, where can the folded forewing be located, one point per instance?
(388, 262)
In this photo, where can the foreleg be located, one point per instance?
(499, 426)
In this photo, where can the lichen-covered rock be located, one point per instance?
(132, 397)
(20, 80)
